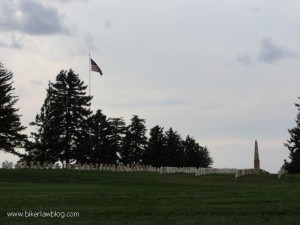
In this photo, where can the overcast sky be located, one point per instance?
(225, 72)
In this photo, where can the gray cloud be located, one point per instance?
(13, 43)
(270, 52)
(254, 8)
(244, 59)
(107, 24)
(89, 40)
(31, 17)
(68, 1)
(36, 82)
(163, 102)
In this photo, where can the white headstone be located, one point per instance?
(84, 166)
(57, 166)
(113, 168)
(17, 166)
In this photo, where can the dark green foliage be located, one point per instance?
(293, 144)
(64, 115)
(196, 155)
(118, 127)
(175, 149)
(102, 139)
(126, 151)
(204, 157)
(156, 152)
(134, 142)
(10, 125)
(67, 131)
(44, 146)
(168, 149)
(192, 150)
(71, 107)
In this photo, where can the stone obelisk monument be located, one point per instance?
(256, 157)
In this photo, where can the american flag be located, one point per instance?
(95, 67)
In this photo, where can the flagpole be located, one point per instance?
(89, 74)
(90, 137)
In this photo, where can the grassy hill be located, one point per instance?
(147, 198)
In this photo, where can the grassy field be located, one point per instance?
(147, 198)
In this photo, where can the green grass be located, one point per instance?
(148, 198)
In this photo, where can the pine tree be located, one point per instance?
(71, 110)
(293, 144)
(205, 158)
(118, 131)
(175, 149)
(196, 155)
(63, 122)
(43, 147)
(156, 152)
(10, 125)
(191, 149)
(126, 153)
(134, 142)
(102, 139)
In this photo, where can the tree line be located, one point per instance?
(293, 145)
(67, 130)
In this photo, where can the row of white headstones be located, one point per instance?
(135, 168)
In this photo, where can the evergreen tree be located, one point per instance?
(134, 142)
(156, 152)
(63, 122)
(293, 145)
(175, 149)
(118, 131)
(102, 139)
(71, 110)
(126, 153)
(205, 159)
(44, 146)
(196, 155)
(192, 150)
(10, 125)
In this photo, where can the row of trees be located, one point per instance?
(293, 145)
(67, 130)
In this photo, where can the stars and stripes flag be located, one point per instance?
(95, 67)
